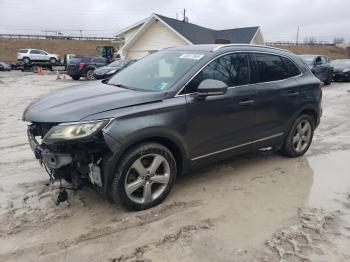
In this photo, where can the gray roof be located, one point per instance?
(202, 35)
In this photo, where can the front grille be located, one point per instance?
(40, 129)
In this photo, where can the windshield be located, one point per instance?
(341, 62)
(308, 59)
(118, 63)
(157, 72)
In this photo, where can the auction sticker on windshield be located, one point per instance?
(191, 56)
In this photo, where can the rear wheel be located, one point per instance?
(53, 60)
(299, 137)
(328, 81)
(90, 74)
(144, 177)
(26, 60)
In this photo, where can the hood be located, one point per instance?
(77, 102)
(106, 68)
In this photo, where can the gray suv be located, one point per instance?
(35, 55)
(170, 112)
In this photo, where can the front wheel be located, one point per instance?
(75, 77)
(144, 176)
(53, 60)
(299, 137)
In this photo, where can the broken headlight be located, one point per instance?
(71, 131)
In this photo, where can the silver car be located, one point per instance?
(35, 55)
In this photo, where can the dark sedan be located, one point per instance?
(4, 67)
(341, 69)
(112, 68)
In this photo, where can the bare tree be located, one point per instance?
(310, 40)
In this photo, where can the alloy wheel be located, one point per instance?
(90, 75)
(147, 178)
(302, 136)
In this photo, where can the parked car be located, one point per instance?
(84, 66)
(35, 55)
(341, 69)
(320, 66)
(171, 112)
(4, 66)
(111, 69)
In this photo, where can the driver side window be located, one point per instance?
(232, 69)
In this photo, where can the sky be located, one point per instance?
(279, 19)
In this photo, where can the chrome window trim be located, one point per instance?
(232, 52)
(234, 147)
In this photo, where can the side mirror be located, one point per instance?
(211, 87)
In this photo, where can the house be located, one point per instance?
(157, 32)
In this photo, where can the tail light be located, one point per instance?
(81, 65)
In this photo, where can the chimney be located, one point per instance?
(222, 41)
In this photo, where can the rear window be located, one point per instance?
(274, 67)
(292, 69)
(99, 60)
(23, 51)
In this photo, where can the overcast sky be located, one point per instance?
(279, 19)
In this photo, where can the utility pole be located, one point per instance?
(81, 33)
(297, 35)
(184, 18)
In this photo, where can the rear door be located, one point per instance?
(278, 96)
(222, 123)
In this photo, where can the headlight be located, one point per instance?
(346, 70)
(73, 131)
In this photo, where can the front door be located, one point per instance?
(222, 123)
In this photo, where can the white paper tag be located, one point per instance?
(192, 56)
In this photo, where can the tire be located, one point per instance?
(53, 60)
(328, 81)
(75, 77)
(295, 135)
(157, 182)
(26, 60)
(90, 74)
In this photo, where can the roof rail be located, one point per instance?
(262, 46)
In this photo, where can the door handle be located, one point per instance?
(246, 102)
(293, 94)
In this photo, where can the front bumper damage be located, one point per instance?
(78, 162)
(45, 156)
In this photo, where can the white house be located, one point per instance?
(158, 32)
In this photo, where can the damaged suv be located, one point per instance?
(172, 111)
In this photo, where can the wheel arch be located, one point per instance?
(169, 141)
